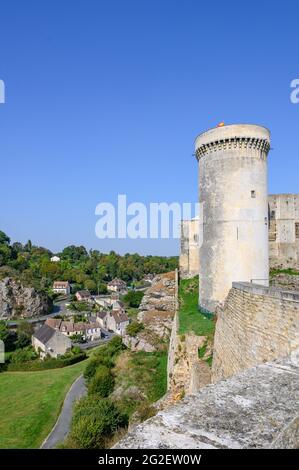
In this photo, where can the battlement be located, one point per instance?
(236, 136)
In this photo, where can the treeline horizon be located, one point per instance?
(88, 269)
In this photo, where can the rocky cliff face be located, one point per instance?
(19, 301)
(156, 312)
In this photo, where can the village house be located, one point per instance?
(106, 301)
(62, 287)
(88, 331)
(117, 321)
(117, 305)
(55, 259)
(83, 296)
(117, 285)
(102, 301)
(49, 341)
(101, 319)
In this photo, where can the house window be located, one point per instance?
(253, 195)
(297, 229)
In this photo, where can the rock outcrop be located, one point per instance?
(19, 301)
(257, 408)
(156, 312)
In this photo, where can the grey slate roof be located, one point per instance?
(44, 333)
(101, 314)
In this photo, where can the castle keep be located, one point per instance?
(234, 209)
(283, 213)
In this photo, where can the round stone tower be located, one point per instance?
(233, 198)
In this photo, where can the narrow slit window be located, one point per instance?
(253, 193)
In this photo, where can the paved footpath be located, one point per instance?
(63, 424)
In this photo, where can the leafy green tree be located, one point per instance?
(90, 285)
(25, 327)
(28, 246)
(24, 333)
(4, 239)
(4, 331)
(74, 253)
(133, 298)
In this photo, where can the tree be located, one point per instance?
(28, 246)
(7, 336)
(4, 239)
(74, 253)
(5, 254)
(90, 285)
(4, 331)
(133, 298)
(24, 332)
(25, 327)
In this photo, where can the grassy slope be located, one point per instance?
(30, 403)
(190, 318)
(147, 372)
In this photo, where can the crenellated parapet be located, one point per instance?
(237, 143)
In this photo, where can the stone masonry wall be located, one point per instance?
(186, 372)
(256, 324)
(255, 409)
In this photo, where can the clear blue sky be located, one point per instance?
(106, 97)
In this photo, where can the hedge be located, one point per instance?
(51, 363)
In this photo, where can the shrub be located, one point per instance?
(105, 356)
(144, 412)
(75, 350)
(78, 338)
(49, 363)
(102, 383)
(95, 422)
(134, 328)
(23, 355)
(115, 345)
(91, 368)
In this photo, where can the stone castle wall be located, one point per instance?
(186, 372)
(284, 230)
(256, 324)
(189, 255)
(283, 236)
(256, 409)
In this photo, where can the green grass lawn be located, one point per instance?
(30, 403)
(191, 319)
